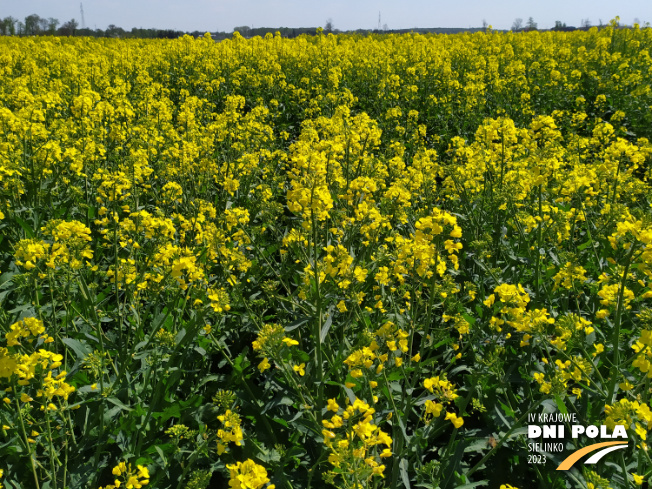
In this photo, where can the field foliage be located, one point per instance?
(344, 261)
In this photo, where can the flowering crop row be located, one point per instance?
(344, 260)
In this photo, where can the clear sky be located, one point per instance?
(224, 15)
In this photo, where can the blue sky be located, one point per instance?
(224, 15)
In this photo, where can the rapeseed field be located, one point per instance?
(330, 261)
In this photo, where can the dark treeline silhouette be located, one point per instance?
(246, 31)
(34, 25)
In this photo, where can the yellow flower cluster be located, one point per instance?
(355, 442)
(422, 251)
(24, 329)
(513, 301)
(70, 246)
(445, 393)
(569, 275)
(30, 251)
(631, 414)
(567, 327)
(231, 432)
(129, 478)
(388, 349)
(577, 370)
(643, 348)
(41, 361)
(609, 295)
(248, 475)
(271, 339)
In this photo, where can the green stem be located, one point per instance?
(615, 367)
(395, 430)
(27, 444)
(318, 323)
(624, 467)
(51, 448)
(538, 250)
(588, 231)
(615, 187)
(100, 433)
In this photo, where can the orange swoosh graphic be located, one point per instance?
(575, 456)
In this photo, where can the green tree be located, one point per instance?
(8, 26)
(244, 30)
(52, 25)
(32, 25)
(69, 28)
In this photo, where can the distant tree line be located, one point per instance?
(585, 24)
(531, 25)
(247, 31)
(34, 25)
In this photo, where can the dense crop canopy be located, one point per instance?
(345, 260)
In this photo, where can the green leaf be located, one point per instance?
(461, 368)
(5, 278)
(403, 470)
(118, 403)
(240, 363)
(270, 250)
(26, 227)
(170, 412)
(502, 417)
(477, 446)
(507, 409)
(469, 319)
(180, 336)
(206, 380)
(325, 328)
(82, 350)
(282, 422)
(295, 324)
(277, 401)
(560, 405)
(349, 393)
(473, 484)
